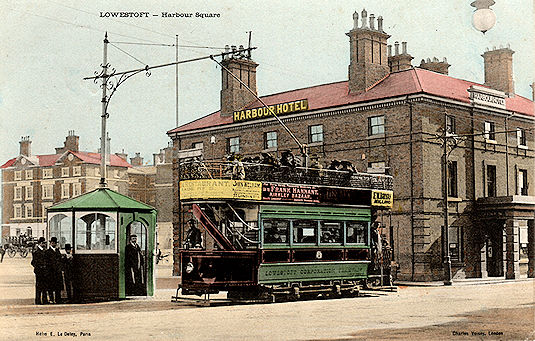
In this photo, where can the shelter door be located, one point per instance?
(136, 260)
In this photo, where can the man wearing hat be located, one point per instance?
(68, 271)
(55, 275)
(134, 279)
(40, 269)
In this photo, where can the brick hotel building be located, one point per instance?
(386, 118)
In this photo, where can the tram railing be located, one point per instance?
(194, 170)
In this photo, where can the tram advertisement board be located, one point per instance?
(272, 273)
(315, 194)
(220, 189)
(382, 198)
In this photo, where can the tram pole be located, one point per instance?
(447, 259)
(104, 115)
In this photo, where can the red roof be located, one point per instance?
(86, 157)
(411, 81)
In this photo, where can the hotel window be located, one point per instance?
(48, 191)
(197, 145)
(521, 137)
(47, 173)
(17, 211)
(76, 189)
(45, 206)
(522, 182)
(491, 181)
(315, 133)
(65, 190)
(29, 192)
(450, 125)
(29, 174)
(452, 179)
(233, 145)
(18, 175)
(270, 140)
(18, 193)
(29, 210)
(77, 171)
(65, 171)
(376, 125)
(490, 131)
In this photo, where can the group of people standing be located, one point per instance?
(52, 270)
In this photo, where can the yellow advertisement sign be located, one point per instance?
(278, 109)
(220, 189)
(382, 198)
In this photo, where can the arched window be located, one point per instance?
(60, 226)
(95, 232)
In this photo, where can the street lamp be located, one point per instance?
(483, 18)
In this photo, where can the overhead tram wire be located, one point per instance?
(128, 54)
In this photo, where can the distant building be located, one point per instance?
(388, 117)
(31, 183)
(153, 185)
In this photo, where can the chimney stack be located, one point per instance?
(499, 69)
(435, 65)
(72, 142)
(399, 62)
(234, 96)
(122, 155)
(368, 53)
(137, 160)
(25, 146)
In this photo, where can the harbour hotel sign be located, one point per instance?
(263, 112)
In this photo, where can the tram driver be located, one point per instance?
(194, 237)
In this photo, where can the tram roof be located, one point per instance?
(102, 198)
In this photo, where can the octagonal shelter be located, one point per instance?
(98, 226)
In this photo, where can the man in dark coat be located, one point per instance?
(55, 273)
(134, 279)
(194, 237)
(40, 269)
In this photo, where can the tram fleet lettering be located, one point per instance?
(278, 109)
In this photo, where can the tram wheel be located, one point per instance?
(11, 253)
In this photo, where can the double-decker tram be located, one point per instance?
(270, 232)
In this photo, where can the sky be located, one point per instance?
(49, 46)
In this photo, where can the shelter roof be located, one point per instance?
(101, 198)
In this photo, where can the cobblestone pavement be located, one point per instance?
(501, 311)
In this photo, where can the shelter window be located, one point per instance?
(60, 226)
(305, 231)
(276, 231)
(490, 131)
(331, 232)
(315, 133)
(95, 232)
(521, 137)
(233, 145)
(376, 125)
(29, 174)
(357, 232)
(270, 140)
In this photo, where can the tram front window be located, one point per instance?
(276, 231)
(357, 232)
(331, 232)
(304, 231)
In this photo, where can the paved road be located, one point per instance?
(418, 313)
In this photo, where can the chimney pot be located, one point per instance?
(380, 24)
(355, 20)
(372, 21)
(390, 50)
(396, 48)
(364, 15)
(404, 47)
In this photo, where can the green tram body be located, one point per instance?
(285, 262)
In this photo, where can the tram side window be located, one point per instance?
(357, 232)
(276, 231)
(331, 232)
(304, 231)
(95, 231)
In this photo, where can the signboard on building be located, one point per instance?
(220, 189)
(382, 198)
(487, 97)
(263, 112)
